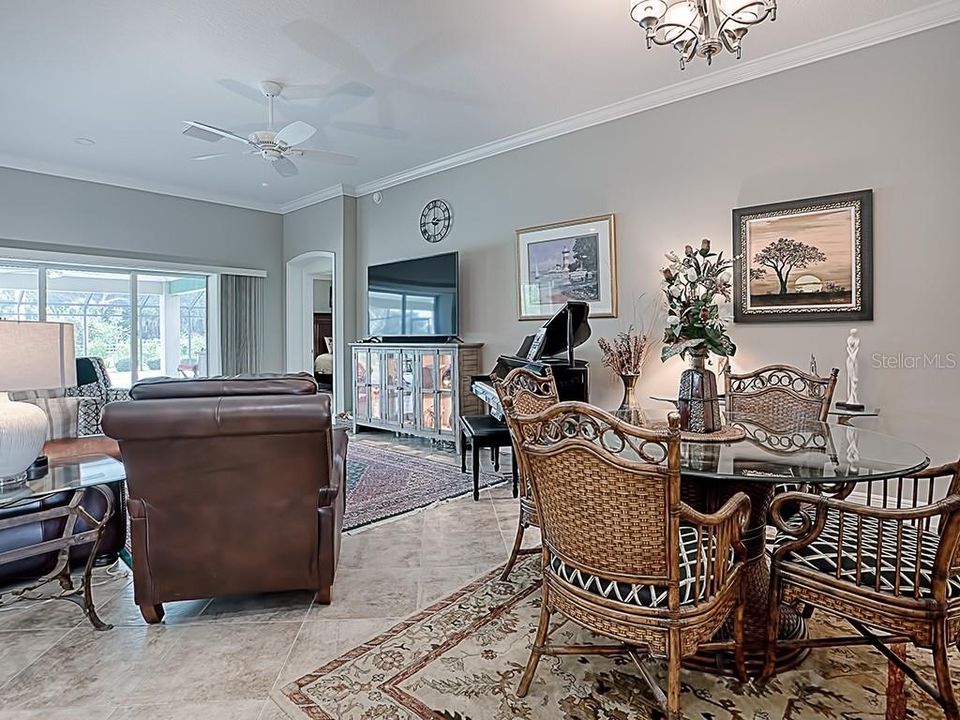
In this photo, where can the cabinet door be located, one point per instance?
(391, 387)
(408, 388)
(361, 379)
(446, 379)
(376, 384)
(427, 390)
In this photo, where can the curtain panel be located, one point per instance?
(241, 323)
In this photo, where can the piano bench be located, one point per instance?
(484, 431)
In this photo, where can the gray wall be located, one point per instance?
(331, 227)
(882, 118)
(51, 213)
(321, 296)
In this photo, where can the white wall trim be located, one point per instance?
(334, 191)
(107, 262)
(121, 181)
(908, 23)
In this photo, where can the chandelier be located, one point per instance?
(700, 27)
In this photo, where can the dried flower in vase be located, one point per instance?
(626, 353)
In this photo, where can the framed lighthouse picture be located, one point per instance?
(573, 260)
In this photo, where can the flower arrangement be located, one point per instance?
(692, 286)
(626, 353)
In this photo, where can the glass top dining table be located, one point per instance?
(778, 451)
(794, 454)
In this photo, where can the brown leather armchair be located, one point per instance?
(236, 485)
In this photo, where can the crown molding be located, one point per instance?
(120, 181)
(908, 23)
(926, 17)
(334, 191)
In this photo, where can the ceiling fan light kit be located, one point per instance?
(700, 28)
(275, 146)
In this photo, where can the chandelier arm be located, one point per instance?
(685, 29)
(760, 5)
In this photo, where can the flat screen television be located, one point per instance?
(418, 297)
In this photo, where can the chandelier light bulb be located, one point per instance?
(679, 17)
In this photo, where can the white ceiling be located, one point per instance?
(405, 82)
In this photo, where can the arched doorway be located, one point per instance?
(302, 274)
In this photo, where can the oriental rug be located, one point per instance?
(462, 657)
(386, 479)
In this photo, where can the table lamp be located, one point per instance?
(33, 356)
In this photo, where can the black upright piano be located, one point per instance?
(551, 346)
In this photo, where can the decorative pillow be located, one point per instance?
(329, 342)
(88, 417)
(62, 414)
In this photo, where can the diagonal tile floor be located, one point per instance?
(219, 659)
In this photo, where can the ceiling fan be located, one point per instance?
(276, 146)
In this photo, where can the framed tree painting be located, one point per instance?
(573, 260)
(807, 259)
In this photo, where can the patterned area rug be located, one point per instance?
(387, 479)
(461, 659)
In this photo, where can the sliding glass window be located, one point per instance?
(172, 322)
(19, 292)
(98, 304)
(142, 324)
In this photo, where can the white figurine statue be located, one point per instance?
(853, 350)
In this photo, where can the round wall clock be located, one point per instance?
(435, 221)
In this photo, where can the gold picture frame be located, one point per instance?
(569, 260)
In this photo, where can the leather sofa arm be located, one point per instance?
(338, 469)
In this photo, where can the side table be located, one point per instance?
(79, 476)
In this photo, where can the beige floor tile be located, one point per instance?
(53, 614)
(242, 710)
(19, 649)
(89, 668)
(58, 713)
(390, 548)
(219, 662)
(122, 611)
(142, 666)
(270, 711)
(376, 593)
(459, 549)
(265, 607)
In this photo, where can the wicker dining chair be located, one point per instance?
(623, 556)
(780, 391)
(529, 393)
(887, 560)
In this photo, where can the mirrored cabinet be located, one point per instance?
(418, 389)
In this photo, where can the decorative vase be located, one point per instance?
(630, 408)
(697, 400)
(23, 430)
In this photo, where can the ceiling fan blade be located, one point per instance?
(210, 157)
(329, 156)
(285, 167)
(208, 132)
(295, 133)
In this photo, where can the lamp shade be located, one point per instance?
(36, 356)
